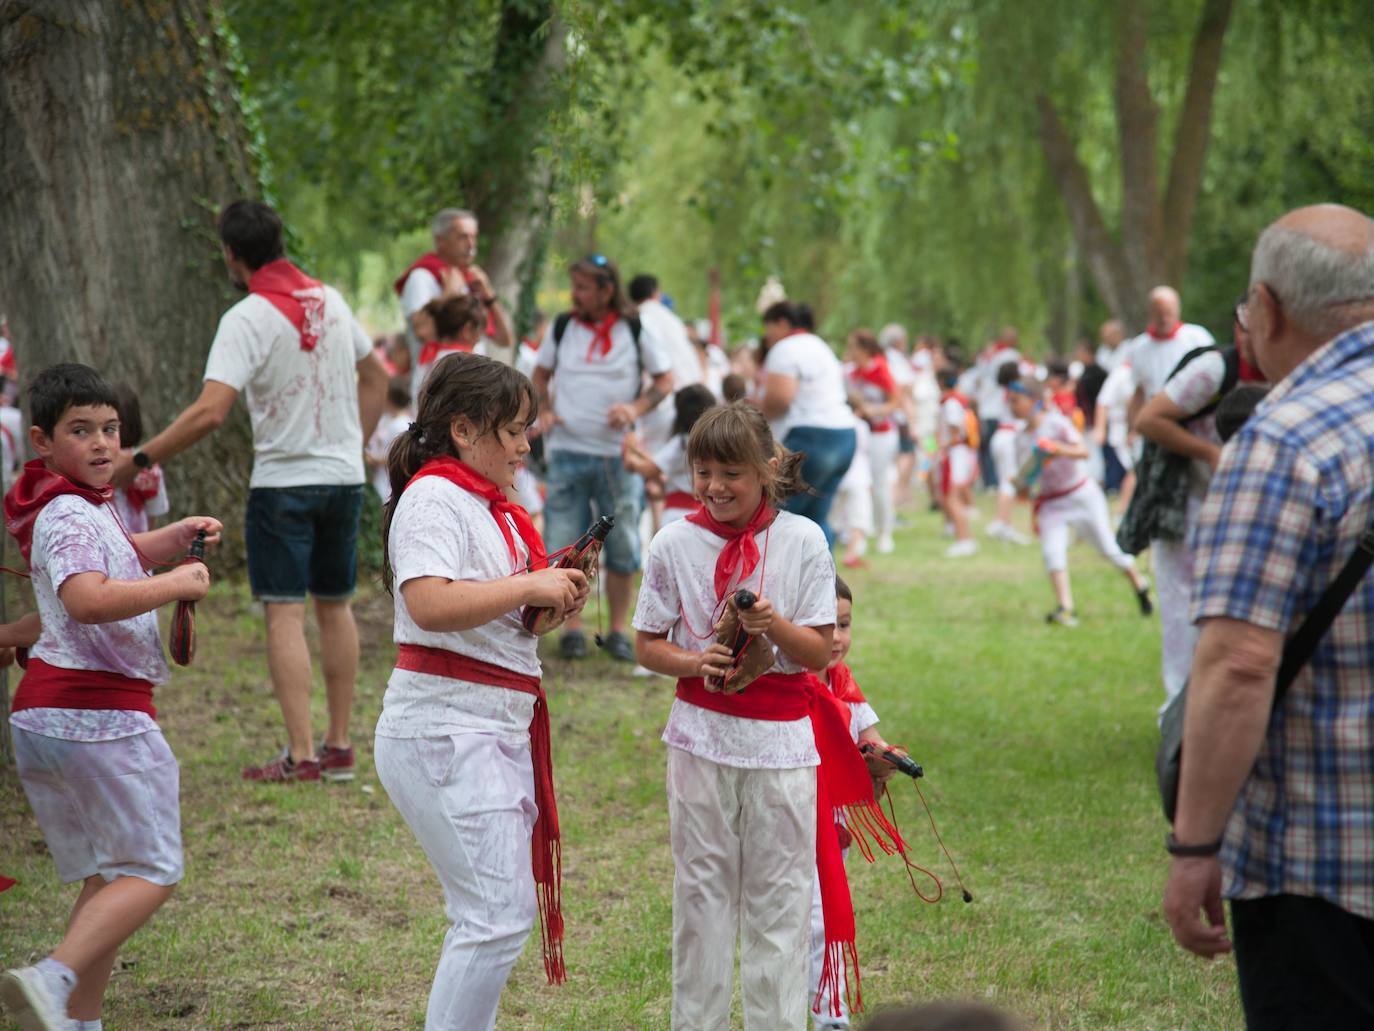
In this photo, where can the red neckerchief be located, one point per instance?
(1066, 401)
(144, 488)
(447, 467)
(435, 348)
(601, 334)
(1157, 335)
(844, 687)
(431, 263)
(295, 295)
(1248, 373)
(877, 373)
(740, 555)
(36, 486)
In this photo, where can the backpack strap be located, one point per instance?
(560, 326)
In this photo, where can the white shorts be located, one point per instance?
(1084, 510)
(853, 509)
(958, 467)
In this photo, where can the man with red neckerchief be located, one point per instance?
(1155, 353)
(450, 270)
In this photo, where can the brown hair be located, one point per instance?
(452, 315)
(605, 272)
(485, 392)
(866, 342)
(842, 590)
(738, 434)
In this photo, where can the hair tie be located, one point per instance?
(417, 431)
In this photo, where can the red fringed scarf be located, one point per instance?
(740, 555)
(546, 852)
(431, 263)
(36, 486)
(1156, 334)
(436, 349)
(144, 488)
(844, 687)
(877, 373)
(843, 791)
(295, 295)
(601, 334)
(449, 468)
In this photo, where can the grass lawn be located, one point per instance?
(312, 906)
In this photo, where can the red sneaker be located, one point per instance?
(336, 764)
(280, 769)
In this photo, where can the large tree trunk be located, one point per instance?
(121, 136)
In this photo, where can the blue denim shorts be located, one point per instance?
(575, 483)
(303, 540)
(105, 807)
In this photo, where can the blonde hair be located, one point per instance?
(738, 434)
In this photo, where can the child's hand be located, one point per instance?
(27, 630)
(190, 526)
(758, 619)
(190, 581)
(556, 589)
(713, 662)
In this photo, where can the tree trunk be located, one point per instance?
(1137, 122)
(511, 187)
(121, 135)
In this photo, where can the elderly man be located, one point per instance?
(449, 270)
(1167, 338)
(1276, 808)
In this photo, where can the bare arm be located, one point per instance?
(656, 652)
(169, 542)
(1100, 425)
(1133, 409)
(21, 634)
(198, 420)
(371, 393)
(779, 391)
(1161, 420)
(95, 598)
(439, 605)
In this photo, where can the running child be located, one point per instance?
(97, 771)
(1067, 499)
(745, 797)
(667, 466)
(146, 497)
(462, 745)
(863, 724)
(958, 435)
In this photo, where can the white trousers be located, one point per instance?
(882, 460)
(1002, 447)
(1085, 510)
(744, 856)
(1173, 562)
(469, 799)
(825, 1018)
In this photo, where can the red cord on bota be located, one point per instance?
(183, 638)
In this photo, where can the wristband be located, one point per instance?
(1176, 848)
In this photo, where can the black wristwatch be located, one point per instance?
(141, 460)
(1176, 848)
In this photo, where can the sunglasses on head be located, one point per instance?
(599, 260)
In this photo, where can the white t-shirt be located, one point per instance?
(657, 426)
(859, 475)
(303, 404)
(678, 598)
(1115, 397)
(820, 399)
(440, 529)
(991, 398)
(389, 427)
(1193, 389)
(671, 460)
(1057, 475)
(1108, 358)
(717, 368)
(587, 384)
(134, 518)
(420, 288)
(927, 393)
(953, 428)
(1152, 360)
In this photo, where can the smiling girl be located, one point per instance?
(742, 768)
(462, 744)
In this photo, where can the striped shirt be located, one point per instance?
(1294, 492)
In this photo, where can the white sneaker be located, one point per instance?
(962, 549)
(885, 545)
(1014, 536)
(643, 671)
(27, 995)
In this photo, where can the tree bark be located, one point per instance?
(121, 135)
(1190, 139)
(1137, 124)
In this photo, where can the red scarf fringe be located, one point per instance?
(295, 295)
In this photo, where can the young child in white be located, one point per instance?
(863, 728)
(140, 502)
(462, 745)
(395, 418)
(958, 461)
(666, 466)
(97, 771)
(742, 768)
(1067, 498)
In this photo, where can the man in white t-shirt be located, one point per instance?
(1156, 352)
(448, 270)
(589, 376)
(314, 390)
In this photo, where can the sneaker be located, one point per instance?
(643, 671)
(573, 645)
(996, 529)
(619, 647)
(962, 549)
(336, 764)
(885, 544)
(280, 769)
(1062, 616)
(1011, 535)
(30, 997)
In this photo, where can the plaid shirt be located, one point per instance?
(1294, 492)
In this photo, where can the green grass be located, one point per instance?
(312, 906)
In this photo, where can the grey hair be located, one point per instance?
(1312, 279)
(892, 335)
(439, 226)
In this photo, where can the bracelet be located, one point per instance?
(1176, 848)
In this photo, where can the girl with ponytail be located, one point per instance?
(462, 744)
(756, 778)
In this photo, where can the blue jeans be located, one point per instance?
(576, 482)
(303, 539)
(828, 454)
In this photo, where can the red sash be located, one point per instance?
(295, 295)
(546, 857)
(36, 486)
(54, 687)
(843, 791)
